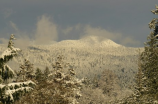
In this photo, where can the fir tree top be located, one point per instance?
(154, 23)
(155, 11)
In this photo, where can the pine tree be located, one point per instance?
(59, 88)
(39, 75)
(139, 88)
(95, 81)
(26, 71)
(46, 72)
(108, 82)
(139, 96)
(67, 86)
(150, 59)
(9, 92)
(146, 88)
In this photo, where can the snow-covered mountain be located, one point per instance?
(94, 40)
(88, 56)
(90, 41)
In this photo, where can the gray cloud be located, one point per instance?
(125, 16)
(7, 12)
(47, 31)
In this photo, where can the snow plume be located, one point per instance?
(103, 34)
(4, 41)
(46, 31)
(84, 31)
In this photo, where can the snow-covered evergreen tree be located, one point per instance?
(6, 72)
(26, 71)
(150, 60)
(67, 86)
(46, 72)
(139, 88)
(146, 88)
(138, 96)
(9, 92)
(39, 76)
(108, 82)
(57, 87)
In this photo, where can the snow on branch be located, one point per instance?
(9, 93)
(2, 86)
(7, 68)
(19, 84)
(9, 52)
(152, 24)
(11, 89)
(155, 11)
(11, 44)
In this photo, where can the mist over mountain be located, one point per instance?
(88, 56)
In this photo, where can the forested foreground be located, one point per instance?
(59, 85)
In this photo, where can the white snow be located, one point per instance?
(90, 41)
(10, 69)
(17, 84)
(21, 83)
(155, 11)
(2, 86)
(10, 92)
(9, 52)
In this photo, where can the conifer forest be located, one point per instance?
(76, 72)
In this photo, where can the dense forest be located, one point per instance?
(64, 83)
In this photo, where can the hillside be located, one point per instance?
(88, 56)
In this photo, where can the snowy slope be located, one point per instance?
(88, 42)
(93, 40)
(89, 56)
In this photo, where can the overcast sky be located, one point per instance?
(42, 21)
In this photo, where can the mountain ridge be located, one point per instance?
(87, 59)
(89, 41)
